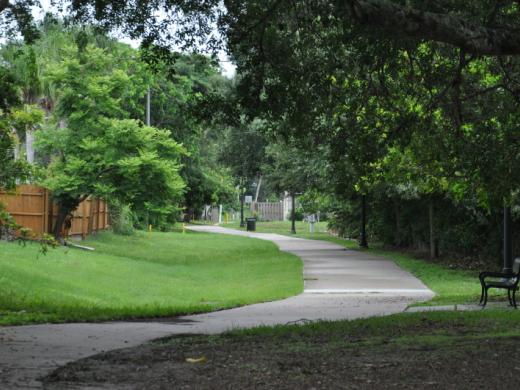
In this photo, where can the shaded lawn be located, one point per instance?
(145, 275)
(400, 329)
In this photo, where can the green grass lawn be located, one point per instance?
(403, 328)
(145, 275)
(451, 286)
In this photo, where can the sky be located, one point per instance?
(228, 68)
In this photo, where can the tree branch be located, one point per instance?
(4, 4)
(399, 20)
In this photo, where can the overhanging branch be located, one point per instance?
(4, 4)
(399, 20)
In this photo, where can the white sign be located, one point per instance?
(248, 199)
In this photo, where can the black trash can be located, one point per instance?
(251, 224)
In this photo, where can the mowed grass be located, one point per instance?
(145, 275)
(414, 329)
(451, 286)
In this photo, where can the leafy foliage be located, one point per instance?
(100, 151)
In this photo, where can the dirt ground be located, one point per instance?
(300, 362)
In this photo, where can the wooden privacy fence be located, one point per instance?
(268, 211)
(31, 207)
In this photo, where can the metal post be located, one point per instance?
(363, 236)
(242, 224)
(148, 115)
(508, 245)
(293, 214)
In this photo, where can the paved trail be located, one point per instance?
(339, 284)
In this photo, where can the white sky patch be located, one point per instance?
(228, 68)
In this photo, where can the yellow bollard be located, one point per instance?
(183, 228)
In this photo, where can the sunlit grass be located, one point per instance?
(145, 275)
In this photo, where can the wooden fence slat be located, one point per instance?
(45, 219)
(14, 213)
(272, 211)
(31, 207)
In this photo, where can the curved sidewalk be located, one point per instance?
(339, 284)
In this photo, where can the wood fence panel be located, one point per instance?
(27, 205)
(268, 211)
(31, 207)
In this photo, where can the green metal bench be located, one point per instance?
(506, 281)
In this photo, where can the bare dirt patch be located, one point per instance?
(300, 361)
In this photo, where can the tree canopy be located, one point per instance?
(411, 105)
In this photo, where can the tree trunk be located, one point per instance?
(293, 214)
(258, 188)
(16, 149)
(65, 209)
(242, 223)
(397, 216)
(434, 253)
(508, 241)
(29, 146)
(60, 221)
(90, 225)
(363, 242)
(148, 108)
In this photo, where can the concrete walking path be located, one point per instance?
(339, 284)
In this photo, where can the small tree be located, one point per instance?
(96, 151)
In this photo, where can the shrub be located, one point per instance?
(8, 226)
(121, 219)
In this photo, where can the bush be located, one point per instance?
(345, 220)
(298, 214)
(122, 219)
(8, 226)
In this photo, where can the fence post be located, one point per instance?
(98, 209)
(90, 216)
(83, 218)
(45, 222)
(105, 214)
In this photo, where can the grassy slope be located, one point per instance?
(451, 286)
(149, 274)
